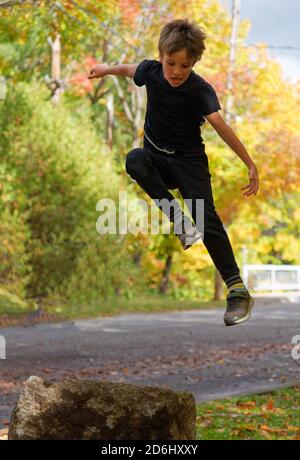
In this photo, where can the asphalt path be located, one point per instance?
(187, 350)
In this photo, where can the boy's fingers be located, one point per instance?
(251, 191)
(252, 184)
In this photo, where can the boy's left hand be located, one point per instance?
(254, 182)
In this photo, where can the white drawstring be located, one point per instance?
(162, 150)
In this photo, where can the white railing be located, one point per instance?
(272, 277)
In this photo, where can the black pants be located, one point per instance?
(157, 172)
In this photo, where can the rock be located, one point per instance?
(101, 410)
(3, 434)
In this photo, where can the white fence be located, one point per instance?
(2, 347)
(272, 277)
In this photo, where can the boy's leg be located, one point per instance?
(192, 178)
(149, 170)
(194, 182)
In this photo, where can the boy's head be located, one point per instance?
(181, 45)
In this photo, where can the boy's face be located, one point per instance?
(176, 67)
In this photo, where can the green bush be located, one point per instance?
(14, 232)
(60, 172)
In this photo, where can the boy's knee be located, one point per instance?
(136, 162)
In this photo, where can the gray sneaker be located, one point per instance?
(187, 233)
(239, 305)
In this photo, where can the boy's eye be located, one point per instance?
(172, 63)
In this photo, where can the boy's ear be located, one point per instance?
(161, 57)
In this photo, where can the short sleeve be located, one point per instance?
(209, 102)
(140, 75)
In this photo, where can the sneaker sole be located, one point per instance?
(193, 241)
(244, 318)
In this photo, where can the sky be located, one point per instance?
(276, 23)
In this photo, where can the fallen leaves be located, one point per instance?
(265, 434)
(270, 417)
(204, 422)
(269, 406)
(271, 430)
(246, 404)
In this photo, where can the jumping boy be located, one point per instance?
(173, 154)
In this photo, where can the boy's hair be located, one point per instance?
(179, 34)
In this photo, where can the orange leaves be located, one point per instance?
(271, 430)
(246, 405)
(269, 406)
(264, 408)
(267, 416)
(130, 10)
(267, 431)
(79, 77)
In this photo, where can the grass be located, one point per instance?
(267, 416)
(12, 307)
(141, 304)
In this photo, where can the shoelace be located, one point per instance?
(233, 304)
(234, 299)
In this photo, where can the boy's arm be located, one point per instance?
(123, 70)
(228, 135)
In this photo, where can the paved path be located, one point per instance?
(190, 350)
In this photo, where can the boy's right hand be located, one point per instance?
(98, 71)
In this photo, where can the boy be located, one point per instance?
(173, 154)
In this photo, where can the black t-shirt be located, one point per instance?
(174, 114)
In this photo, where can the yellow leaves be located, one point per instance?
(288, 244)
(140, 132)
(219, 406)
(196, 258)
(296, 214)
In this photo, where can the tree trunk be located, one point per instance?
(218, 286)
(137, 258)
(165, 279)
(110, 119)
(55, 69)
